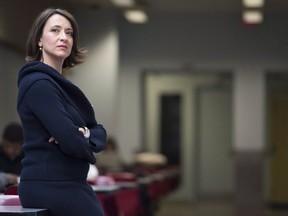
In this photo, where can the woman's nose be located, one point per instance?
(63, 35)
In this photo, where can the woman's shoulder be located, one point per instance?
(41, 89)
(43, 83)
(36, 80)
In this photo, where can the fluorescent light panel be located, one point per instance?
(252, 17)
(136, 16)
(253, 3)
(123, 3)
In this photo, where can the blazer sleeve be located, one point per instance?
(97, 137)
(47, 104)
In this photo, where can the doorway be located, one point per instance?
(183, 92)
(277, 128)
(170, 117)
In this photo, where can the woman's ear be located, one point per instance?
(40, 43)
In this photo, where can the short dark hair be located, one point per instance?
(77, 55)
(13, 133)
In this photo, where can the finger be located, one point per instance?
(81, 130)
(51, 139)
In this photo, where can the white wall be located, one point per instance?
(249, 109)
(98, 76)
(129, 125)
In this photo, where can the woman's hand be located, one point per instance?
(81, 129)
(85, 131)
(52, 139)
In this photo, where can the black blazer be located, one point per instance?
(50, 105)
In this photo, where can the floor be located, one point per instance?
(207, 209)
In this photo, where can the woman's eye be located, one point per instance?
(54, 30)
(69, 33)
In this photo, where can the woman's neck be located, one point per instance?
(57, 65)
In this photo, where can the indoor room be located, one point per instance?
(192, 91)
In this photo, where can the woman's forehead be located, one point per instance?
(58, 20)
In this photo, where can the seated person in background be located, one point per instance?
(150, 159)
(11, 155)
(109, 159)
(146, 161)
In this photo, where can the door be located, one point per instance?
(170, 98)
(278, 146)
(216, 165)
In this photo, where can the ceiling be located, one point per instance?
(192, 5)
(213, 5)
(16, 16)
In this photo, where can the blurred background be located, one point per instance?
(203, 82)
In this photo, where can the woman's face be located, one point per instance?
(57, 39)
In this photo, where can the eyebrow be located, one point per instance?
(58, 26)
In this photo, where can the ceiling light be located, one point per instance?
(123, 3)
(252, 17)
(253, 3)
(136, 16)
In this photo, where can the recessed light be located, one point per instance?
(136, 16)
(123, 3)
(253, 3)
(252, 17)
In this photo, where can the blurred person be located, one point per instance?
(7, 179)
(59, 125)
(110, 159)
(11, 155)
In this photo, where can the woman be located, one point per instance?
(59, 126)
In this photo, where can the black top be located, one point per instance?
(10, 166)
(50, 105)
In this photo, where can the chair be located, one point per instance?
(122, 176)
(128, 198)
(11, 190)
(109, 204)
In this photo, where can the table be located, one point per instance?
(19, 210)
(127, 185)
(105, 188)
